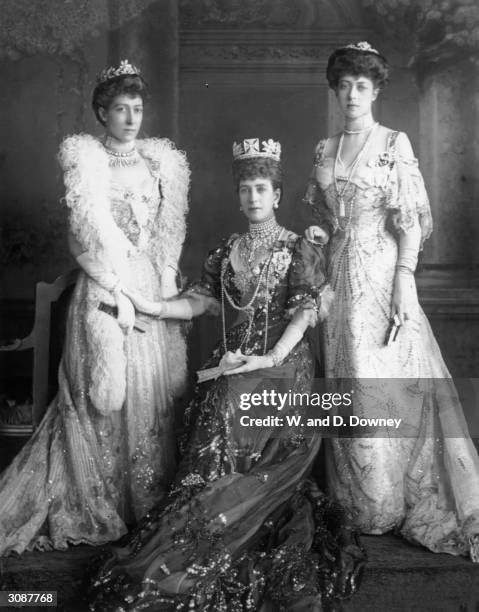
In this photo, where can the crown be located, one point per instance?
(250, 147)
(362, 46)
(124, 68)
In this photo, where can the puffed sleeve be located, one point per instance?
(407, 196)
(209, 284)
(314, 195)
(307, 286)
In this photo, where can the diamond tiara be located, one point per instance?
(124, 68)
(362, 46)
(251, 147)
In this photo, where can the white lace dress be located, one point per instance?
(422, 479)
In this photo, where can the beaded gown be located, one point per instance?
(423, 479)
(243, 524)
(104, 452)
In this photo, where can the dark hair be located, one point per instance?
(357, 63)
(126, 84)
(258, 167)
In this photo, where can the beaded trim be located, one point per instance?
(122, 158)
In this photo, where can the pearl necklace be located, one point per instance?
(123, 159)
(248, 308)
(354, 165)
(259, 239)
(359, 131)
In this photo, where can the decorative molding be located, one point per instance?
(449, 290)
(259, 58)
(244, 14)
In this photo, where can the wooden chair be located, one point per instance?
(39, 340)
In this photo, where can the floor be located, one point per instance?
(398, 577)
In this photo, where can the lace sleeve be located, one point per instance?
(407, 197)
(307, 287)
(210, 283)
(315, 197)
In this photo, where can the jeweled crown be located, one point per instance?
(362, 46)
(124, 68)
(252, 147)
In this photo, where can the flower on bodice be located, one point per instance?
(281, 261)
(386, 158)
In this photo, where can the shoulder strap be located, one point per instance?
(391, 143)
(319, 152)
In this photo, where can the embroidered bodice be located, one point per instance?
(387, 186)
(134, 208)
(290, 277)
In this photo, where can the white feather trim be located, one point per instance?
(106, 340)
(87, 178)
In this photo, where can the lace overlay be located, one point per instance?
(426, 485)
(84, 475)
(243, 524)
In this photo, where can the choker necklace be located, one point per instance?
(366, 129)
(122, 159)
(263, 228)
(258, 240)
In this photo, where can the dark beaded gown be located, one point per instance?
(244, 526)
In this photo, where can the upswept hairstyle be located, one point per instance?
(357, 63)
(126, 84)
(258, 167)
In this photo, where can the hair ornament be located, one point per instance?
(124, 68)
(362, 46)
(251, 147)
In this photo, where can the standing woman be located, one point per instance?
(371, 207)
(105, 451)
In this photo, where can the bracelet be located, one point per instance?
(277, 354)
(404, 269)
(275, 358)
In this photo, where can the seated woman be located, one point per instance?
(242, 524)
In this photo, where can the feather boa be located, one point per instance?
(87, 178)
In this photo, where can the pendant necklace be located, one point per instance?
(352, 168)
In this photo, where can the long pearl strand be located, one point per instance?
(249, 306)
(354, 165)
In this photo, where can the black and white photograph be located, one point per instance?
(239, 305)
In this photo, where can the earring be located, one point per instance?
(275, 206)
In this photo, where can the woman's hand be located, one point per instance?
(145, 306)
(126, 312)
(250, 363)
(212, 306)
(231, 360)
(316, 234)
(404, 299)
